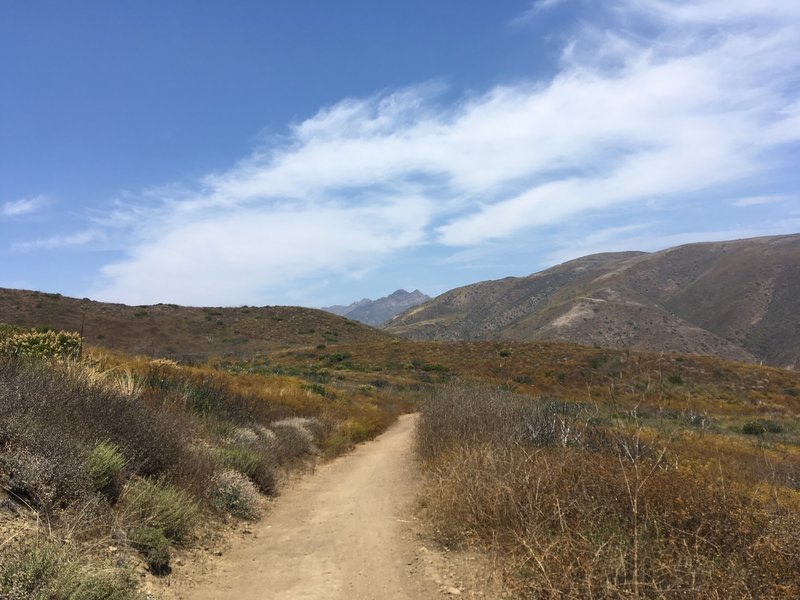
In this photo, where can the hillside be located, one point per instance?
(377, 312)
(179, 332)
(738, 300)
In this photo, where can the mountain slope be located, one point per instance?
(738, 300)
(376, 312)
(341, 310)
(180, 332)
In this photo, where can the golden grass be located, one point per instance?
(601, 501)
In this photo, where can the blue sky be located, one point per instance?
(297, 152)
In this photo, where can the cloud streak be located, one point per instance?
(706, 101)
(23, 206)
(55, 242)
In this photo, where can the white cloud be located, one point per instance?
(703, 102)
(719, 11)
(239, 257)
(58, 241)
(762, 200)
(23, 206)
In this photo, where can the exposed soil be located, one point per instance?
(346, 531)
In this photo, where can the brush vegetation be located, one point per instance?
(592, 473)
(593, 500)
(109, 450)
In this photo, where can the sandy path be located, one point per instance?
(341, 533)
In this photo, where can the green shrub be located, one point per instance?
(315, 388)
(249, 462)
(754, 428)
(233, 493)
(154, 547)
(44, 570)
(772, 426)
(105, 463)
(161, 505)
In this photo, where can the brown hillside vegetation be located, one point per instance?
(183, 333)
(597, 473)
(738, 300)
(588, 472)
(110, 462)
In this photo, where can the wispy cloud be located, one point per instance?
(23, 206)
(58, 241)
(763, 200)
(242, 256)
(706, 101)
(536, 8)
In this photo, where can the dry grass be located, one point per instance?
(586, 503)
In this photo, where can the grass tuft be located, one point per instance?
(160, 505)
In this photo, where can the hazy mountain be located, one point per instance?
(179, 331)
(737, 299)
(376, 312)
(341, 310)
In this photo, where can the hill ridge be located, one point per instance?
(737, 299)
(182, 332)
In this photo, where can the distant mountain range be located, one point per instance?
(737, 299)
(377, 312)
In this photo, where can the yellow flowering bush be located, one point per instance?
(44, 344)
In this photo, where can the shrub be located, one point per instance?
(675, 379)
(44, 570)
(296, 437)
(54, 411)
(161, 505)
(255, 463)
(315, 388)
(612, 512)
(754, 428)
(48, 481)
(43, 344)
(105, 463)
(233, 493)
(154, 547)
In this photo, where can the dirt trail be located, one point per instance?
(340, 533)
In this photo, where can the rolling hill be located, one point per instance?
(738, 300)
(183, 333)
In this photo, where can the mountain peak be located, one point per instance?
(376, 312)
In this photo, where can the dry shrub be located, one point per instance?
(454, 414)
(41, 402)
(295, 438)
(233, 493)
(47, 477)
(608, 515)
